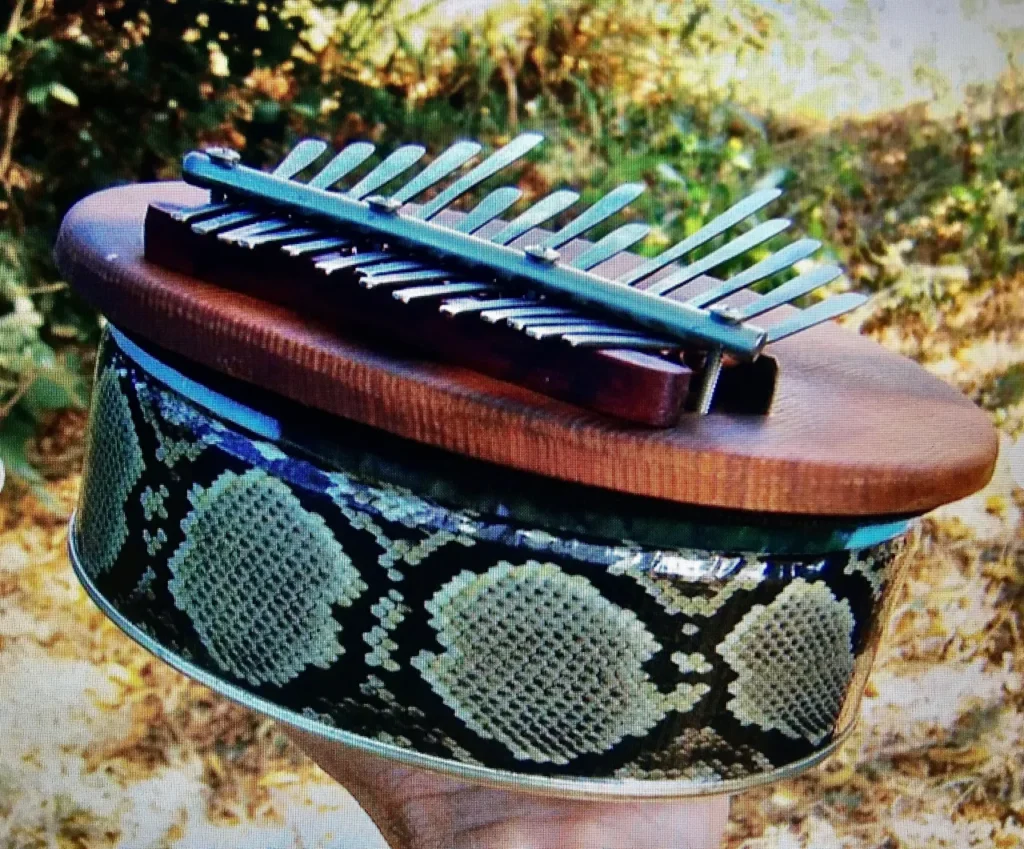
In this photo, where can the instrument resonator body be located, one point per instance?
(332, 474)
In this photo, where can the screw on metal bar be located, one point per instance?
(549, 256)
(224, 156)
(727, 315)
(712, 371)
(388, 206)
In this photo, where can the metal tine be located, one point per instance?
(222, 222)
(505, 156)
(454, 157)
(611, 203)
(488, 209)
(516, 310)
(445, 290)
(821, 312)
(304, 154)
(316, 246)
(718, 225)
(591, 326)
(773, 264)
(299, 158)
(788, 291)
(397, 266)
(614, 243)
(236, 234)
(278, 237)
(542, 319)
(616, 341)
(331, 263)
(465, 306)
(400, 160)
(374, 281)
(342, 164)
(536, 215)
(737, 247)
(337, 168)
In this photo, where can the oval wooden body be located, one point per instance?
(855, 430)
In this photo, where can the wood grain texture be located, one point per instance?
(855, 430)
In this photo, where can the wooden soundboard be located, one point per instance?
(855, 430)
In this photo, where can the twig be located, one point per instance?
(26, 383)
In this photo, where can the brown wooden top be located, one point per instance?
(855, 429)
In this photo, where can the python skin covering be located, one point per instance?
(463, 637)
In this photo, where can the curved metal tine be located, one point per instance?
(237, 234)
(560, 317)
(488, 209)
(715, 227)
(375, 281)
(493, 316)
(821, 312)
(515, 149)
(614, 243)
(536, 215)
(397, 266)
(467, 306)
(454, 157)
(444, 290)
(235, 218)
(300, 157)
(604, 249)
(611, 203)
(737, 247)
(337, 168)
(278, 237)
(304, 154)
(523, 317)
(773, 264)
(617, 341)
(331, 263)
(788, 291)
(316, 246)
(578, 327)
(341, 165)
(400, 160)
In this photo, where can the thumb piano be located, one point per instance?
(490, 499)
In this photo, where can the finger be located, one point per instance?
(415, 809)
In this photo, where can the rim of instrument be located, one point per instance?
(854, 430)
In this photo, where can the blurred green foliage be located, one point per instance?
(97, 93)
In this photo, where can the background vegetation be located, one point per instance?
(924, 211)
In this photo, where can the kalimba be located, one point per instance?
(490, 499)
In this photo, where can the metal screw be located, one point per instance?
(549, 256)
(223, 156)
(712, 371)
(379, 203)
(727, 315)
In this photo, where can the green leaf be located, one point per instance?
(61, 92)
(37, 94)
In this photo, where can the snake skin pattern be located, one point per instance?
(387, 618)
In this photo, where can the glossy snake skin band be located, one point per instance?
(507, 628)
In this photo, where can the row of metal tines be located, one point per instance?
(413, 280)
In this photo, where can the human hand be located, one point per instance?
(415, 809)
